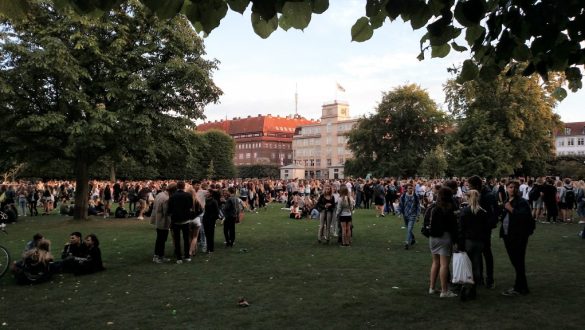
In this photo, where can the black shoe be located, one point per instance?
(406, 246)
(413, 242)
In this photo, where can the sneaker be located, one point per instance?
(582, 222)
(433, 291)
(179, 262)
(491, 285)
(187, 259)
(157, 260)
(406, 246)
(402, 227)
(510, 293)
(448, 294)
(140, 218)
(382, 215)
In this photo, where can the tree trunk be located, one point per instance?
(112, 173)
(81, 190)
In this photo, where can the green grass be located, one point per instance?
(289, 280)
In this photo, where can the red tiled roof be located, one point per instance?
(256, 124)
(577, 128)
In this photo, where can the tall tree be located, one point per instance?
(78, 88)
(549, 34)
(394, 140)
(505, 126)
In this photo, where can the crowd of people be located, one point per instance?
(461, 215)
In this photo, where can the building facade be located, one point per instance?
(571, 139)
(262, 139)
(320, 149)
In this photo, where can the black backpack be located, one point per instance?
(569, 197)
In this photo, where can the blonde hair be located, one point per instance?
(473, 200)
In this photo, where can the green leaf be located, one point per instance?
(211, 12)
(473, 33)
(469, 71)
(361, 30)
(521, 53)
(421, 56)
(319, 6)
(264, 28)
(297, 14)
(283, 23)
(395, 8)
(164, 9)
(457, 47)
(378, 20)
(489, 72)
(13, 9)
(559, 93)
(238, 6)
(470, 12)
(421, 17)
(440, 51)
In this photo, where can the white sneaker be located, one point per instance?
(448, 294)
(157, 260)
(433, 291)
(140, 218)
(179, 262)
(187, 259)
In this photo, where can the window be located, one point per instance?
(567, 131)
(318, 162)
(570, 142)
(312, 162)
(329, 128)
(561, 142)
(255, 155)
(248, 155)
(289, 156)
(329, 162)
(273, 155)
(240, 156)
(341, 160)
(580, 141)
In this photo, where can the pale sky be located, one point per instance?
(258, 76)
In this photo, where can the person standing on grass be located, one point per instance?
(210, 216)
(379, 198)
(517, 226)
(549, 198)
(179, 209)
(231, 212)
(474, 231)
(161, 221)
(488, 202)
(344, 213)
(410, 208)
(326, 207)
(443, 233)
(567, 200)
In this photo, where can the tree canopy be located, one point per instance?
(80, 89)
(505, 126)
(548, 34)
(405, 128)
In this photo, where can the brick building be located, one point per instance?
(262, 139)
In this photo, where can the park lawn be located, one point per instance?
(289, 279)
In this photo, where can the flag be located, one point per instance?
(340, 88)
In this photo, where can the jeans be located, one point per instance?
(409, 224)
(22, 204)
(209, 229)
(325, 218)
(474, 249)
(489, 263)
(229, 230)
(516, 248)
(177, 229)
(201, 239)
(161, 240)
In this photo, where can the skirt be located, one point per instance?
(441, 245)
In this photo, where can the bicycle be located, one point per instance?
(4, 255)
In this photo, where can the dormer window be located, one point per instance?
(567, 131)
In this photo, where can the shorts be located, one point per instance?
(537, 204)
(345, 218)
(379, 201)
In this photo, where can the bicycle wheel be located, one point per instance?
(4, 260)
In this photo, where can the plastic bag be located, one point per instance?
(462, 272)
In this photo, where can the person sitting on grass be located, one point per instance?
(121, 212)
(33, 243)
(36, 265)
(295, 211)
(91, 262)
(73, 250)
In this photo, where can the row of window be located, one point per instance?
(570, 142)
(328, 128)
(342, 139)
(269, 145)
(568, 131)
(581, 153)
(249, 135)
(249, 155)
